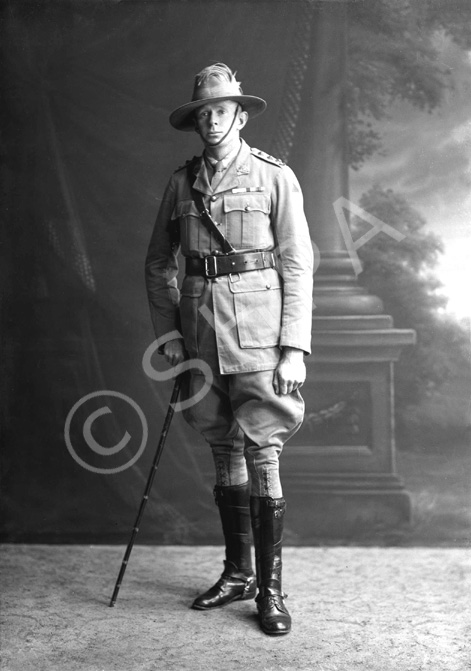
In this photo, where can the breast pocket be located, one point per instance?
(258, 302)
(247, 220)
(193, 236)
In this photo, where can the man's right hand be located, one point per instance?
(174, 352)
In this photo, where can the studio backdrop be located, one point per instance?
(88, 88)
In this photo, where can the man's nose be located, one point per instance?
(212, 118)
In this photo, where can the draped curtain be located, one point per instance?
(88, 87)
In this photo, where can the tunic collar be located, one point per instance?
(240, 165)
(224, 162)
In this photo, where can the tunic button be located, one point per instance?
(247, 208)
(213, 198)
(268, 286)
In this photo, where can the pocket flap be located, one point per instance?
(185, 208)
(255, 280)
(246, 202)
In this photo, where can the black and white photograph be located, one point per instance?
(236, 335)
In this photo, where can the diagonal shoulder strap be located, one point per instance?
(206, 217)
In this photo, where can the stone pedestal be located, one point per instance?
(339, 469)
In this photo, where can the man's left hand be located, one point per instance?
(290, 373)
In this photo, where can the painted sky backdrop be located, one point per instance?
(427, 159)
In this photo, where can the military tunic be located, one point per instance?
(238, 322)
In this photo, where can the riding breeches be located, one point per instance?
(246, 424)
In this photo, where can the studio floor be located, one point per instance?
(366, 608)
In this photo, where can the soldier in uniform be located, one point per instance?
(244, 312)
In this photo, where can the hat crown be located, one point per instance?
(215, 81)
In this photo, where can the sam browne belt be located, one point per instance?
(228, 262)
(216, 265)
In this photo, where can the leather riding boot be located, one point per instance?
(237, 581)
(267, 524)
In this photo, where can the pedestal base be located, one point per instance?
(345, 508)
(338, 471)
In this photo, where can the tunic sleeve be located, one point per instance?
(161, 271)
(294, 251)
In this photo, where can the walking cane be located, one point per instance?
(150, 480)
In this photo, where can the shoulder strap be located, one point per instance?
(266, 157)
(206, 217)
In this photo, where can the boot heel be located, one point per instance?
(250, 589)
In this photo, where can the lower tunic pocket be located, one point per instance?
(191, 292)
(258, 305)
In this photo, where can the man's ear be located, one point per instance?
(243, 118)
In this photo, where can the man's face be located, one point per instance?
(219, 124)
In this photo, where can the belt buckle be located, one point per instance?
(210, 272)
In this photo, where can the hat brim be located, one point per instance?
(182, 118)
